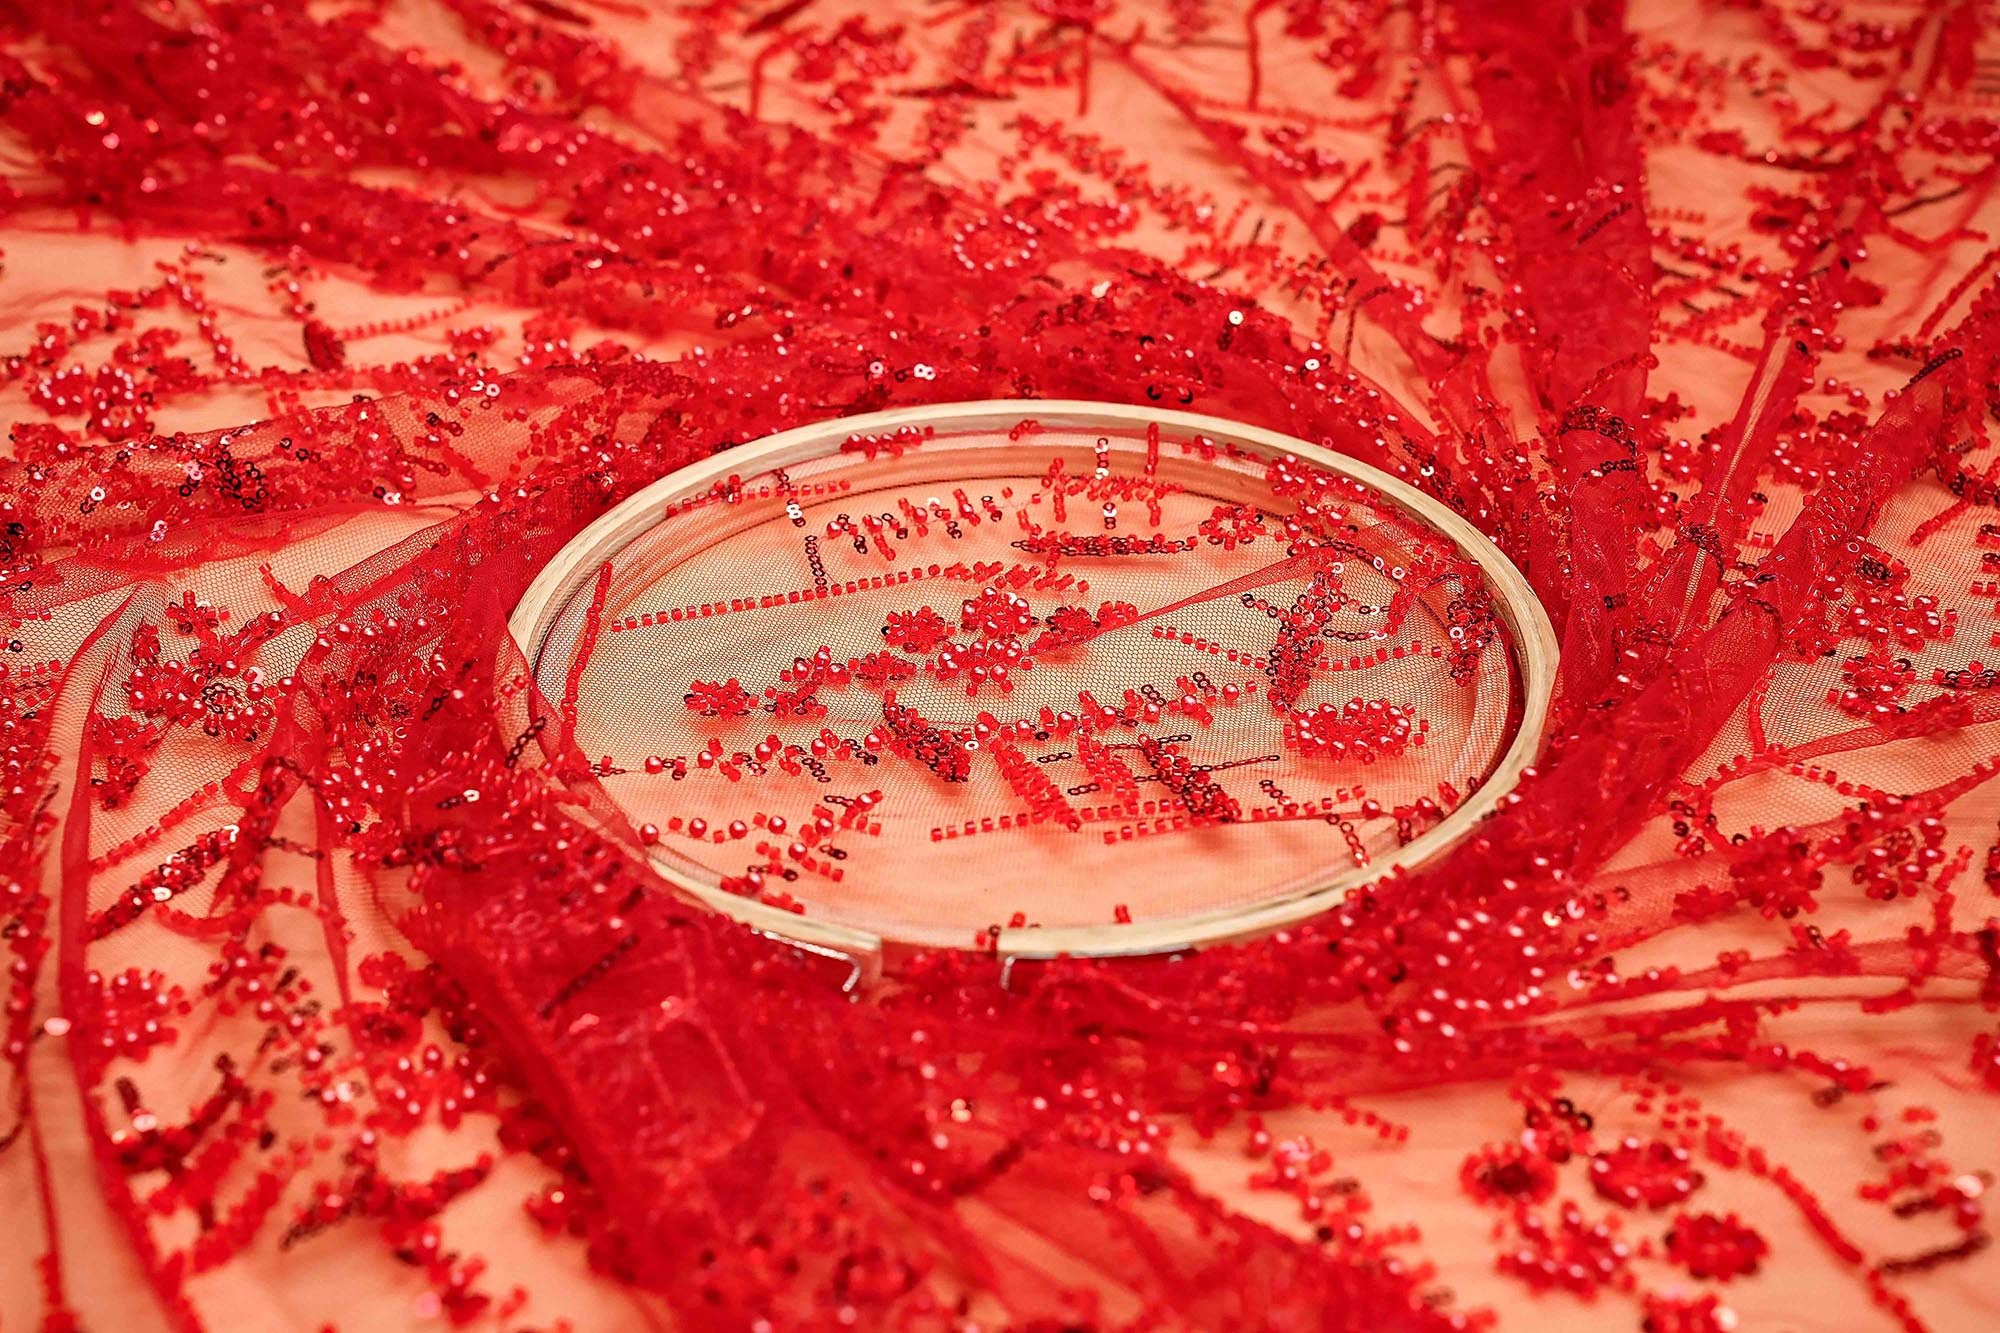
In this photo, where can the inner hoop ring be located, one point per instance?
(1532, 641)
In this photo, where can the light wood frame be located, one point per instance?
(1532, 636)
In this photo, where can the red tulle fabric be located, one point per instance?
(336, 1001)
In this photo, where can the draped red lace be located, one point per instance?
(336, 1000)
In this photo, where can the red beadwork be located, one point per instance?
(1715, 1247)
(341, 990)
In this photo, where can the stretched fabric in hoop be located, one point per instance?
(1165, 661)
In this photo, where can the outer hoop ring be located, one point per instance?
(1525, 619)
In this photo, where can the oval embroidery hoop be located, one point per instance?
(1532, 641)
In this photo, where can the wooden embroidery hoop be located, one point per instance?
(1532, 638)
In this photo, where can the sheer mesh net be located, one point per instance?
(343, 989)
